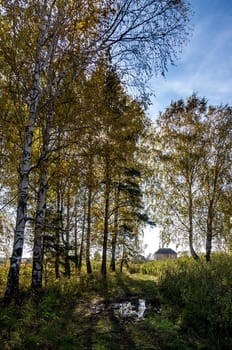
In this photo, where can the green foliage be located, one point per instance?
(159, 328)
(190, 185)
(196, 314)
(199, 298)
(155, 268)
(60, 318)
(3, 278)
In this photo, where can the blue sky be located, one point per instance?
(204, 67)
(205, 64)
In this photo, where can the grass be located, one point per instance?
(62, 316)
(62, 319)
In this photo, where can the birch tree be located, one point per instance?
(216, 172)
(67, 37)
(180, 135)
(193, 157)
(15, 14)
(48, 42)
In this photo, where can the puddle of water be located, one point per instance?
(141, 308)
(133, 309)
(130, 310)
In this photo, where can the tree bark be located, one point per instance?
(67, 269)
(115, 233)
(190, 215)
(88, 233)
(58, 230)
(37, 267)
(211, 211)
(57, 255)
(19, 232)
(209, 233)
(106, 226)
(124, 260)
(82, 237)
(75, 237)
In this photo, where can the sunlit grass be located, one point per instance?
(196, 300)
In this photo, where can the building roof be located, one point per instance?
(165, 251)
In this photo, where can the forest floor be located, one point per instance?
(85, 313)
(65, 318)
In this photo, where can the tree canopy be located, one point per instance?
(70, 130)
(192, 173)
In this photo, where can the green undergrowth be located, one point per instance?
(196, 300)
(197, 296)
(60, 316)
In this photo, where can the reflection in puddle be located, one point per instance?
(141, 308)
(132, 309)
(129, 310)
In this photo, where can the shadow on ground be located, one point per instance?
(83, 319)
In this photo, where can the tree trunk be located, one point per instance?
(88, 233)
(115, 233)
(106, 224)
(58, 231)
(124, 260)
(75, 237)
(209, 233)
(81, 251)
(82, 239)
(37, 268)
(57, 255)
(190, 215)
(19, 232)
(113, 246)
(67, 269)
(211, 213)
(21, 218)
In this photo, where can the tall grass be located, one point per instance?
(198, 296)
(196, 300)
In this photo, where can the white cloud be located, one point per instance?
(205, 68)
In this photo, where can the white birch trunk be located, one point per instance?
(37, 268)
(19, 232)
(106, 220)
(13, 275)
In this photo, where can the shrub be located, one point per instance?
(199, 295)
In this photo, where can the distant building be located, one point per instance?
(165, 253)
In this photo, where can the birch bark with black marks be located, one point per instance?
(88, 233)
(21, 218)
(115, 233)
(146, 31)
(106, 220)
(214, 195)
(37, 268)
(59, 229)
(82, 234)
(190, 218)
(209, 232)
(67, 268)
(75, 236)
